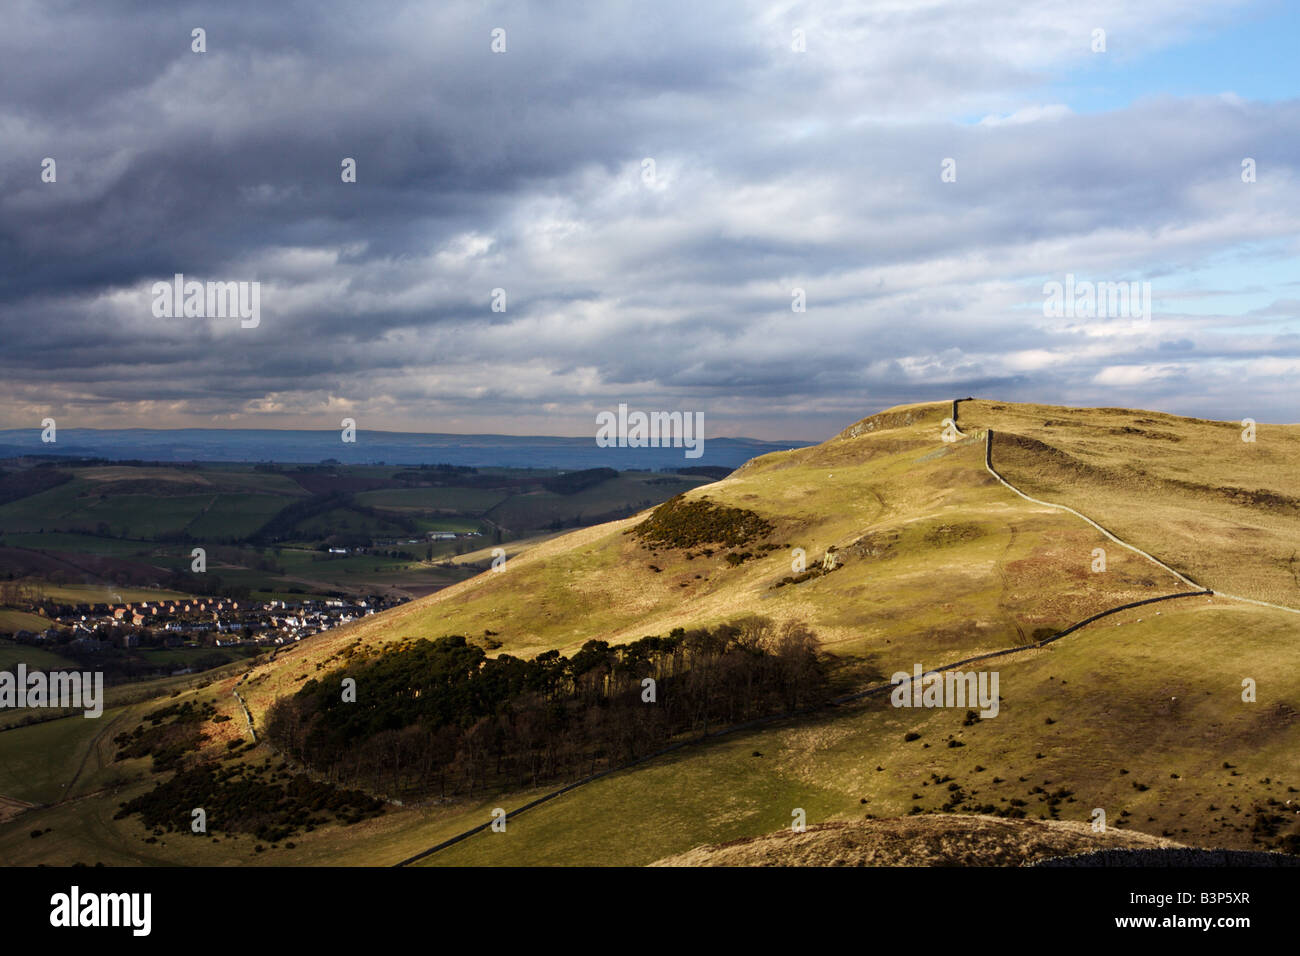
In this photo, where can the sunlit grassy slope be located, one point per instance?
(1136, 714)
(1224, 511)
(938, 560)
(1143, 717)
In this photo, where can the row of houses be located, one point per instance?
(198, 622)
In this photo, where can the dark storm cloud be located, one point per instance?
(775, 171)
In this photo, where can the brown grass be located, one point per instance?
(923, 840)
(1190, 491)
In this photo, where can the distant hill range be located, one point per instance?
(393, 448)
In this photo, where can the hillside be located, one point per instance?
(1139, 713)
(1224, 511)
(917, 841)
(922, 535)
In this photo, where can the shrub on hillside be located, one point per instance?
(238, 800)
(690, 523)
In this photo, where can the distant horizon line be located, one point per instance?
(15, 430)
(374, 431)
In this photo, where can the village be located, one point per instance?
(195, 622)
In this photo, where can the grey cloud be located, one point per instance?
(522, 171)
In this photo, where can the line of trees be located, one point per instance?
(441, 717)
(22, 592)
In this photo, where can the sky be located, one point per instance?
(652, 188)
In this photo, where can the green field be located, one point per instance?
(38, 658)
(81, 543)
(100, 594)
(180, 657)
(462, 500)
(231, 515)
(41, 760)
(12, 621)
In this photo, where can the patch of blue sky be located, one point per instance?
(1250, 52)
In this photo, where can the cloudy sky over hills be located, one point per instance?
(775, 169)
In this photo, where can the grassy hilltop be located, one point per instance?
(932, 561)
